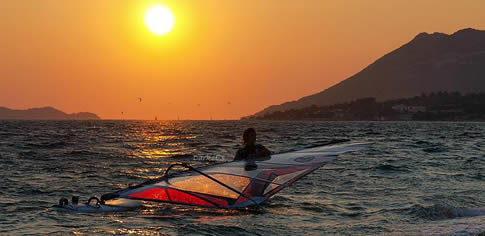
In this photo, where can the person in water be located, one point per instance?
(251, 150)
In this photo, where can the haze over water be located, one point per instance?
(415, 178)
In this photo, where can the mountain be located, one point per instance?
(428, 63)
(44, 113)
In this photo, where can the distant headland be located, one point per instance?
(44, 113)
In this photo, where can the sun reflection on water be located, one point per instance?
(161, 140)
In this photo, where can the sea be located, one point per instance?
(414, 178)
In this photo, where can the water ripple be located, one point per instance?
(416, 177)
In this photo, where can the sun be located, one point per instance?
(159, 19)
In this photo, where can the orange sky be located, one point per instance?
(98, 56)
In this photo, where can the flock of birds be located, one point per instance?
(169, 103)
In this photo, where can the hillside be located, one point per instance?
(44, 113)
(428, 63)
(441, 106)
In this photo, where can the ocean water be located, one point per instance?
(416, 178)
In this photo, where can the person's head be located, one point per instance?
(249, 136)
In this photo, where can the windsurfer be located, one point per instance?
(251, 150)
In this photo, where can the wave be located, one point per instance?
(82, 153)
(182, 156)
(390, 168)
(441, 212)
(49, 145)
(435, 149)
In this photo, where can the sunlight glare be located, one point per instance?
(159, 19)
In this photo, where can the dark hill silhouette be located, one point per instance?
(428, 63)
(44, 113)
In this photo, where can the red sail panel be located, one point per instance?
(171, 195)
(182, 197)
(159, 194)
(220, 202)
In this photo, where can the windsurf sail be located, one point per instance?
(231, 184)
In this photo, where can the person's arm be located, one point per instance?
(262, 151)
(265, 152)
(239, 155)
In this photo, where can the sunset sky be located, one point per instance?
(233, 58)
